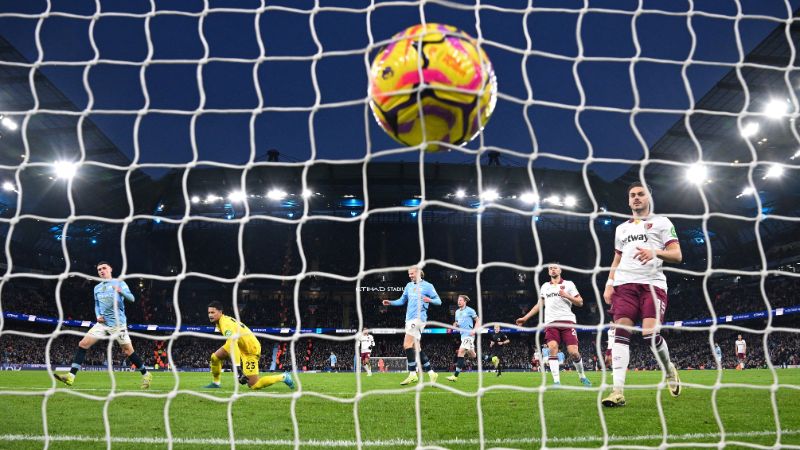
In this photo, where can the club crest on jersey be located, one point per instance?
(647, 226)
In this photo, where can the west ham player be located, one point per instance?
(610, 345)
(559, 295)
(467, 321)
(741, 351)
(110, 296)
(365, 344)
(637, 288)
(419, 294)
(496, 345)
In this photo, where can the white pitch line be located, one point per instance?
(391, 442)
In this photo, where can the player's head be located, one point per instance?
(462, 301)
(554, 270)
(104, 269)
(639, 199)
(497, 328)
(740, 337)
(215, 310)
(415, 273)
(365, 331)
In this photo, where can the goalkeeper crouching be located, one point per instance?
(244, 347)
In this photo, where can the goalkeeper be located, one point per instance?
(242, 346)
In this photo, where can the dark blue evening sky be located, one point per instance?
(342, 132)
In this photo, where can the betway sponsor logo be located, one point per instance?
(635, 237)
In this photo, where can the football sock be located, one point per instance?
(621, 356)
(267, 380)
(578, 363)
(426, 363)
(412, 361)
(137, 361)
(554, 369)
(216, 368)
(459, 365)
(80, 355)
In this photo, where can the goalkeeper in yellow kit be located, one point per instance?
(242, 346)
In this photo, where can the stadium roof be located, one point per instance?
(768, 78)
(52, 135)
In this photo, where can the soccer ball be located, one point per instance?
(458, 95)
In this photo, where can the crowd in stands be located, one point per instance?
(689, 349)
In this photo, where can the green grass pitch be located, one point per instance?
(451, 415)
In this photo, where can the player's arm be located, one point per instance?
(432, 297)
(97, 312)
(507, 341)
(125, 292)
(572, 295)
(610, 283)
(671, 253)
(477, 325)
(535, 310)
(400, 301)
(672, 249)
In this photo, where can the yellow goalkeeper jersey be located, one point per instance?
(246, 342)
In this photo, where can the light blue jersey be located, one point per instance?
(417, 308)
(105, 296)
(333, 359)
(718, 352)
(560, 356)
(465, 318)
(545, 353)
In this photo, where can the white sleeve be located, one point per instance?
(572, 290)
(667, 232)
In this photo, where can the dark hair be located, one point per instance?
(635, 184)
(216, 305)
(103, 262)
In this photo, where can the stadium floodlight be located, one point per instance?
(276, 194)
(65, 169)
(774, 171)
(529, 198)
(697, 173)
(9, 123)
(490, 195)
(746, 191)
(461, 193)
(237, 196)
(195, 199)
(8, 186)
(570, 201)
(553, 200)
(211, 198)
(307, 193)
(750, 129)
(776, 109)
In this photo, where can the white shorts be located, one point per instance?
(467, 343)
(414, 328)
(101, 331)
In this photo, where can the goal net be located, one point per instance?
(221, 152)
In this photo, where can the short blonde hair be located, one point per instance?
(421, 272)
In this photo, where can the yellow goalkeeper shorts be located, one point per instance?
(250, 364)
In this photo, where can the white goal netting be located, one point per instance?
(218, 151)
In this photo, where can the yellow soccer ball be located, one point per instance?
(450, 91)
